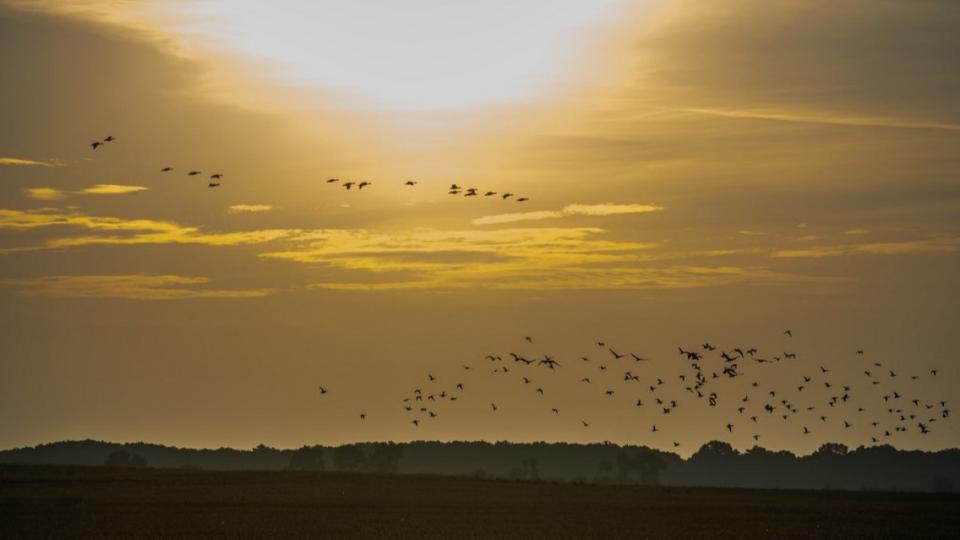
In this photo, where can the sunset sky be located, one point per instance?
(696, 171)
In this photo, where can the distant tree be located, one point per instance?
(349, 458)
(306, 459)
(123, 458)
(117, 458)
(643, 463)
(384, 458)
(832, 449)
(942, 484)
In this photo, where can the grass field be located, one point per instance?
(95, 502)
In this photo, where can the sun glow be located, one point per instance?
(420, 54)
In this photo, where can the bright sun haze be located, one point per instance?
(417, 54)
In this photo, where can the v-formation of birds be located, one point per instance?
(348, 185)
(878, 401)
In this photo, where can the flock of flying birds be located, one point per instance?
(348, 185)
(813, 400)
(879, 401)
(453, 190)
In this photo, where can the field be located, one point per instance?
(98, 502)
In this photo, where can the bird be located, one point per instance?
(522, 199)
(788, 333)
(323, 390)
(213, 184)
(494, 406)
(410, 183)
(166, 169)
(363, 416)
(216, 176)
(349, 185)
(332, 180)
(506, 196)
(489, 193)
(585, 423)
(96, 144)
(193, 173)
(364, 184)
(528, 339)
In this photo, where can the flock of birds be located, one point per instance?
(702, 378)
(454, 189)
(881, 401)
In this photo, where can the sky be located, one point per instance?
(694, 172)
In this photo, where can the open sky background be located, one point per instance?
(697, 171)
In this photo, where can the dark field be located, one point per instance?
(97, 502)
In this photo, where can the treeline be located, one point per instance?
(832, 466)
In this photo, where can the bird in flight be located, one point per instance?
(213, 184)
(410, 183)
(788, 333)
(522, 199)
(506, 196)
(166, 169)
(348, 185)
(216, 176)
(193, 173)
(323, 390)
(362, 185)
(332, 180)
(96, 144)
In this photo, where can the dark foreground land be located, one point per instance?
(48, 501)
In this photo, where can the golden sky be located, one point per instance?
(696, 171)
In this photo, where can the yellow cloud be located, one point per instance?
(249, 208)
(44, 194)
(932, 245)
(111, 189)
(18, 162)
(532, 258)
(136, 231)
(607, 209)
(130, 286)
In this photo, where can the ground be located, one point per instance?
(40, 501)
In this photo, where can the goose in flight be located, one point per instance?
(585, 423)
(193, 173)
(410, 183)
(528, 339)
(522, 199)
(489, 193)
(166, 169)
(363, 416)
(213, 184)
(364, 184)
(96, 144)
(555, 411)
(349, 185)
(788, 333)
(506, 196)
(323, 390)
(109, 138)
(332, 180)
(494, 406)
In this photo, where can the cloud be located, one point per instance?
(118, 231)
(927, 246)
(111, 189)
(509, 259)
(129, 286)
(44, 194)
(17, 162)
(608, 209)
(249, 208)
